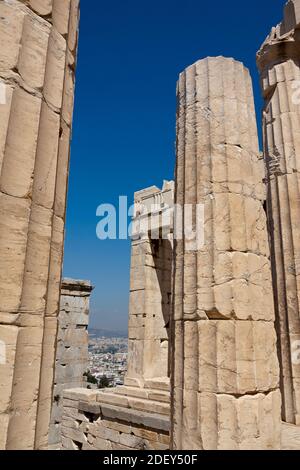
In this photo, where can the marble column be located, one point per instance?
(38, 44)
(225, 375)
(279, 65)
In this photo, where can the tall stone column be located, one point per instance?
(279, 64)
(38, 43)
(225, 367)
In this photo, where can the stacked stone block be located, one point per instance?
(38, 43)
(146, 392)
(72, 359)
(150, 287)
(90, 424)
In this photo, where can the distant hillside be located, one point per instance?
(95, 332)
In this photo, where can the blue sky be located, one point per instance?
(130, 55)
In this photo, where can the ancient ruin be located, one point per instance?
(279, 65)
(225, 367)
(72, 360)
(151, 288)
(136, 415)
(38, 43)
(214, 315)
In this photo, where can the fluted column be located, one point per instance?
(38, 43)
(225, 366)
(279, 64)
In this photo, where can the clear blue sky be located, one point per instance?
(130, 55)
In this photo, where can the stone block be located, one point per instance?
(92, 408)
(18, 162)
(113, 399)
(54, 434)
(81, 394)
(149, 420)
(116, 426)
(158, 383)
(70, 403)
(68, 444)
(102, 444)
(100, 431)
(10, 36)
(134, 442)
(87, 446)
(72, 413)
(74, 434)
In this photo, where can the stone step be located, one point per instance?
(139, 404)
(158, 383)
(148, 394)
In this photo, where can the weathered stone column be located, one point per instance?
(150, 288)
(38, 42)
(279, 64)
(225, 366)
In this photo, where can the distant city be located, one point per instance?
(108, 352)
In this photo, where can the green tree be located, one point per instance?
(104, 382)
(90, 378)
